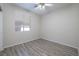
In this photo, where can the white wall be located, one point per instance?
(1, 31)
(61, 26)
(11, 14)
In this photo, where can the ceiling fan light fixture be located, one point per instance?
(41, 6)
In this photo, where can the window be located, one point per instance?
(21, 26)
(25, 28)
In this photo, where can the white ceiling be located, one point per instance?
(31, 7)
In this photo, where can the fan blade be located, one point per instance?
(36, 3)
(46, 4)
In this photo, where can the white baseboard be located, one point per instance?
(61, 43)
(7, 46)
(78, 51)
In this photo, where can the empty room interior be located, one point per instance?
(39, 29)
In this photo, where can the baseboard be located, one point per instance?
(60, 43)
(7, 46)
(78, 51)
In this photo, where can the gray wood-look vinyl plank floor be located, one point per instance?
(39, 47)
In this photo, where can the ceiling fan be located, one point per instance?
(42, 6)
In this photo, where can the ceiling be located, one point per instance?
(31, 7)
